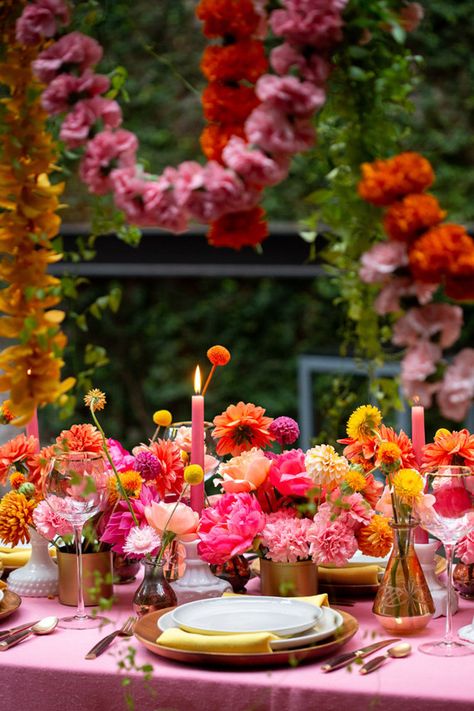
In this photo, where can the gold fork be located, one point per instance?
(125, 631)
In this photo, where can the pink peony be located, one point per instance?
(308, 23)
(331, 541)
(255, 167)
(288, 473)
(48, 520)
(457, 389)
(245, 472)
(313, 67)
(142, 540)
(272, 131)
(176, 517)
(229, 527)
(122, 459)
(77, 125)
(285, 536)
(61, 94)
(388, 299)
(73, 49)
(289, 95)
(382, 260)
(105, 152)
(116, 526)
(439, 322)
(40, 20)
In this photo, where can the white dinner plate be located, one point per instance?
(228, 615)
(360, 559)
(328, 623)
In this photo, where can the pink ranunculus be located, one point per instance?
(66, 89)
(313, 68)
(382, 260)
(289, 95)
(78, 123)
(245, 472)
(229, 527)
(115, 527)
(440, 322)
(175, 517)
(252, 165)
(457, 389)
(222, 191)
(107, 151)
(420, 361)
(273, 132)
(331, 541)
(122, 459)
(452, 500)
(72, 49)
(288, 473)
(48, 522)
(285, 536)
(305, 22)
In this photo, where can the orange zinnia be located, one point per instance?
(416, 213)
(240, 428)
(455, 448)
(239, 229)
(385, 181)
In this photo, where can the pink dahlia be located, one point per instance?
(74, 49)
(285, 430)
(288, 473)
(285, 536)
(229, 527)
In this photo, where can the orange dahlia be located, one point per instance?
(224, 103)
(19, 449)
(385, 181)
(16, 514)
(239, 229)
(215, 137)
(446, 250)
(388, 454)
(233, 62)
(171, 477)
(223, 18)
(406, 220)
(403, 443)
(80, 438)
(375, 539)
(240, 428)
(449, 448)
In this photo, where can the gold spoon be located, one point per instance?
(44, 626)
(397, 652)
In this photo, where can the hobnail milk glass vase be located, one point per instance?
(39, 577)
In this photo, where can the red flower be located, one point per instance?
(228, 104)
(239, 229)
(235, 18)
(234, 62)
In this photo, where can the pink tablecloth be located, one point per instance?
(51, 674)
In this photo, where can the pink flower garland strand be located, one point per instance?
(277, 129)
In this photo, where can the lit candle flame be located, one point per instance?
(416, 400)
(197, 381)
(28, 372)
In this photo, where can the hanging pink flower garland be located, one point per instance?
(277, 128)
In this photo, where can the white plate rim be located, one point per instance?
(305, 622)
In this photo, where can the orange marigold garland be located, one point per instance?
(385, 181)
(31, 368)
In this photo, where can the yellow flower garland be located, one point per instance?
(28, 222)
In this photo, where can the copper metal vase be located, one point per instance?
(96, 577)
(288, 579)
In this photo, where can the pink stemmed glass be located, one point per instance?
(76, 489)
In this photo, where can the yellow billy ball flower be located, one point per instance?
(193, 474)
(442, 432)
(162, 418)
(408, 485)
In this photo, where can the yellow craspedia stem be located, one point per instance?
(162, 418)
(442, 432)
(193, 474)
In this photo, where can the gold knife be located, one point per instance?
(343, 660)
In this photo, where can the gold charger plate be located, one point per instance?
(10, 602)
(147, 632)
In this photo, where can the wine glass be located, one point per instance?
(450, 518)
(76, 489)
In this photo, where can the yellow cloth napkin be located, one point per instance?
(349, 575)
(16, 557)
(241, 643)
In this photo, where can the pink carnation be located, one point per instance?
(272, 131)
(285, 536)
(313, 68)
(420, 361)
(105, 152)
(221, 191)
(289, 95)
(288, 473)
(66, 89)
(457, 389)
(440, 322)
(388, 299)
(48, 522)
(331, 541)
(308, 23)
(252, 165)
(355, 510)
(78, 123)
(72, 49)
(382, 260)
(187, 177)
(39, 20)
(229, 527)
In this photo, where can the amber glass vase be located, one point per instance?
(403, 604)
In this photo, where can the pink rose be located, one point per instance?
(313, 68)
(457, 389)
(382, 260)
(66, 89)
(288, 473)
(245, 472)
(441, 322)
(272, 131)
(105, 152)
(175, 517)
(78, 123)
(289, 95)
(72, 49)
(252, 165)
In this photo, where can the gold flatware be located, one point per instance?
(125, 631)
(44, 626)
(342, 660)
(397, 652)
(18, 628)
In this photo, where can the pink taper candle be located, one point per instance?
(197, 441)
(418, 440)
(32, 429)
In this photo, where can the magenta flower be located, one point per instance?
(147, 465)
(122, 459)
(107, 151)
(285, 430)
(289, 95)
(120, 522)
(77, 125)
(63, 91)
(229, 527)
(288, 473)
(255, 167)
(272, 131)
(285, 536)
(73, 49)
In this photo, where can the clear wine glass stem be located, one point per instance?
(80, 612)
(448, 635)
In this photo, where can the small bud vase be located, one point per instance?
(155, 592)
(198, 581)
(403, 604)
(39, 577)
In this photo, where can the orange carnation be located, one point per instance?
(446, 250)
(240, 428)
(239, 229)
(416, 213)
(385, 181)
(233, 62)
(228, 104)
(235, 18)
(215, 137)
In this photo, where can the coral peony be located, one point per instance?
(178, 518)
(288, 473)
(240, 428)
(245, 472)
